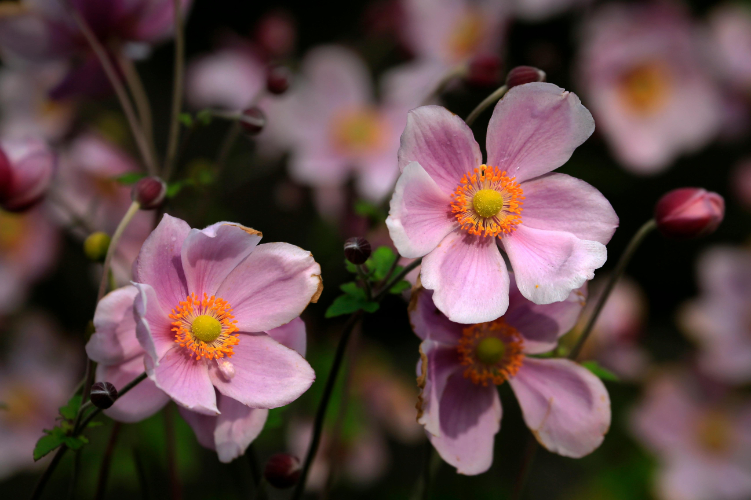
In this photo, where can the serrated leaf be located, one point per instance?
(52, 440)
(400, 287)
(186, 119)
(130, 178)
(70, 410)
(380, 262)
(354, 299)
(75, 443)
(599, 371)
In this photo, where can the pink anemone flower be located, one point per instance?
(455, 211)
(566, 407)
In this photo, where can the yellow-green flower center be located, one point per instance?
(206, 328)
(490, 350)
(487, 202)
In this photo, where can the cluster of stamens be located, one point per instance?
(205, 326)
(492, 352)
(487, 202)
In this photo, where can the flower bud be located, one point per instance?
(484, 71)
(276, 33)
(95, 246)
(357, 250)
(26, 170)
(524, 74)
(687, 213)
(149, 192)
(103, 395)
(253, 120)
(282, 470)
(277, 79)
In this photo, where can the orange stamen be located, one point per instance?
(506, 367)
(192, 307)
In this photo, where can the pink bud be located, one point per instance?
(277, 79)
(687, 213)
(26, 170)
(524, 74)
(253, 120)
(149, 192)
(282, 470)
(485, 71)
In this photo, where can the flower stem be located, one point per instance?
(177, 90)
(169, 431)
(496, 95)
(396, 279)
(366, 282)
(620, 268)
(141, 99)
(455, 72)
(530, 451)
(104, 470)
(132, 210)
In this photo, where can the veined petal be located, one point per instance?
(291, 335)
(153, 326)
(185, 380)
(140, 402)
(429, 323)
(114, 339)
(437, 364)
(236, 427)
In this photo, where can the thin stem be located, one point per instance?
(362, 272)
(177, 91)
(530, 452)
(455, 72)
(341, 348)
(141, 473)
(141, 98)
(485, 104)
(132, 210)
(620, 268)
(396, 279)
(127, 387)
(37, 493)
(169, 428)
(104, 470)
(120, 91)
(226, 148)
(255, 473)
(74, 476)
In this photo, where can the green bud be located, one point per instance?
(96, 245)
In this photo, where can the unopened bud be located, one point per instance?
(26, 170)
(95, 246)
(282, 470)
(253, 120)
(149, 192)
(687, 213)
(103, 395)
(277, 79)
(524, 74)
(357, 250)
(485, 71)
(276, 33)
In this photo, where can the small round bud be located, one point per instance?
(277, 79)
(26, 170)
(357, 250)
(253, 120)
(149, 192)
(524, 74)
(484, 71)
(95, 246)
(688, 213)
(276, 33)
(103, 395)
(282, 470)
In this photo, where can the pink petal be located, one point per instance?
(114, 339)
(203, 425)
(291, 335)
(153, 327)
(210, 254)
(156, 21)
(429, 323)
(563, 203)
(688, 477)
(230, 78)
(442, 362)
(184, 379)
(565, 406)
(33, 164)
(469, 278)
(420, 215)
(159, 264)
(535, 128)
(267, 374)
(548, 265)
(272, 286)
(237, 426)
(470, 418)
(139, 403)
(442, 143)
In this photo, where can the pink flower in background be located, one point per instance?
(730, 29)
(702, 440)
(26, 169)
(538, 10)
(719, 319)
(648, 91)
(455, 211)
(565, 406)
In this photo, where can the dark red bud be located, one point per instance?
(6, 175)
(524, 74)
(357, 250)
(103, 395)
(485, 71)
(253, 120)
(149, 192)
(277, 79)
(282, 470)
(688, 213)
(276, 33)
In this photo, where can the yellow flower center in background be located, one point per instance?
(487, 202)
(466, 35)
(205, 326)
(715, 432)
(645, 88)
(357, 131)
(13, 229)
(492, 352)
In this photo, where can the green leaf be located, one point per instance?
(354, 299)
(174, 188)
(400, 287)
(186, 119)
(130, 178)
(70, 410)
(599, 371)
(49, 442)
(380, 262)
(204, 116)
(370, 210)
(94, 423)
(75, 443)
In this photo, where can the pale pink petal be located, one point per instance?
(272, 286)
(203, 425)
(139, 403)
(429, 323)
(442, 362)
(535, 128)
(230, 78)
(159, 264)
(470, 418)
(468, 277)
(156, 20)
(184, 379)
(210, 254)
(687, 477)
(236, 427)
(565, 406)
(563, 203)
(267, 374)
(420, 215)
(291, 335)
(548, 265)
(114, 339)
(153, 327)
(442, 143)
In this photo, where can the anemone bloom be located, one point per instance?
(454, 210)
(565, 406)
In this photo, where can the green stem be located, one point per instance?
(141, 99)
(396, 279)
(530, 452)
(486, 103)
(177, 91)
(132, 210)
(104, 470)
(361, 271)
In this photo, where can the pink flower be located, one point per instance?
(702, 440)
(26, 169)
(730, 26)
(455, 211)
(718, 319)
(650, 95)
(538, 10)
(565, 406)
(687, 213)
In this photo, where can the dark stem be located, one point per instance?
(141, 473)
(177, 90)
(427, 471)
(255, 473)
(37, 493)
(141, 99)
(396, 279)
(233, 132)
(341, 348)
(363, 273)
(74, 477)
(169, 430)
(529, 456)
(104, 470)
(486, 103)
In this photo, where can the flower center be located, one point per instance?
(492, 352)
(487, 202)
(468, 32)
(715, 432)
(645, 88)
(357, 131)
(205, 326)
